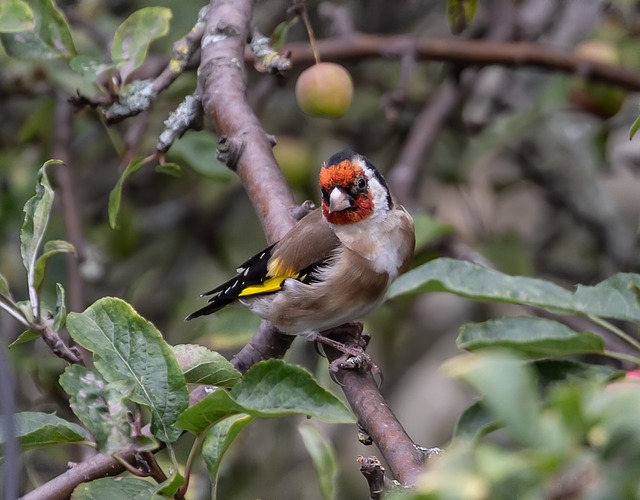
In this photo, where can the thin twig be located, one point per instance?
(12, 309)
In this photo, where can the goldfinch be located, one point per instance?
(335, 264)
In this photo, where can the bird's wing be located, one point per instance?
(298, 255)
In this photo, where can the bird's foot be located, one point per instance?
(352, 345)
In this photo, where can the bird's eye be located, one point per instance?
(362, 183)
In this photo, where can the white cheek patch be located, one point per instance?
(378, 193)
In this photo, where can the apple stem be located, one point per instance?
(312, 37)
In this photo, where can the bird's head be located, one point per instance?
(352, 189)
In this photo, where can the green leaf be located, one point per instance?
(429, 229)
(170, 486)
(36, 217)
(128, 348)
(15, 16)
(60, 315)
(616, 297)
(49, 38)
(50, 248)
(132, 38)
(203, 366)
(460, 14)
(475, 422)
(215, 407)
(323, 457)
(105, 488)
(35, 429)
(26, 336)
(634, 127)
(218, 439)
(481, 283)
(279, 35)
(197, 151)
(532, 337)
(551, 371)
(274, 388)
(100, 406)
(89, 67)
(116, 194)
(508, 387)
(172, 169)
(4, 287)
(270, 388)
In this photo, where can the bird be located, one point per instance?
(336, 264)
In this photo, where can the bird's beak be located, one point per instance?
(339, 200)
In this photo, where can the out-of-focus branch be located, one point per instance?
(404, 175)
(464, 53)
(424, 131)
(69, 203)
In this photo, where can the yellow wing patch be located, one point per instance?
(279, 268)
(269, 285)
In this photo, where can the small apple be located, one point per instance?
(600, 99)
(324, 89)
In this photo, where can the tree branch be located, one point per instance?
(464, 53)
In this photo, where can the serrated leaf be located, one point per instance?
(218, 439)
(634, 127)
(50, 248)
(132, 38)
(203, 366)
(15, 16)
(116, 193)
(89, 67)
(49, 38)
(508, 387)
(35, 429)
(104, 488)
(36, 217)
(172, 169)
(128, 348)
(26, 336)
(215, 407)
(531, 337)
(60, 314)
(275, 388)
(481, 283)
(460, 14)
(323, 457)
(101, 407)
(475, 422)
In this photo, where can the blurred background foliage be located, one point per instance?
(531, 169)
